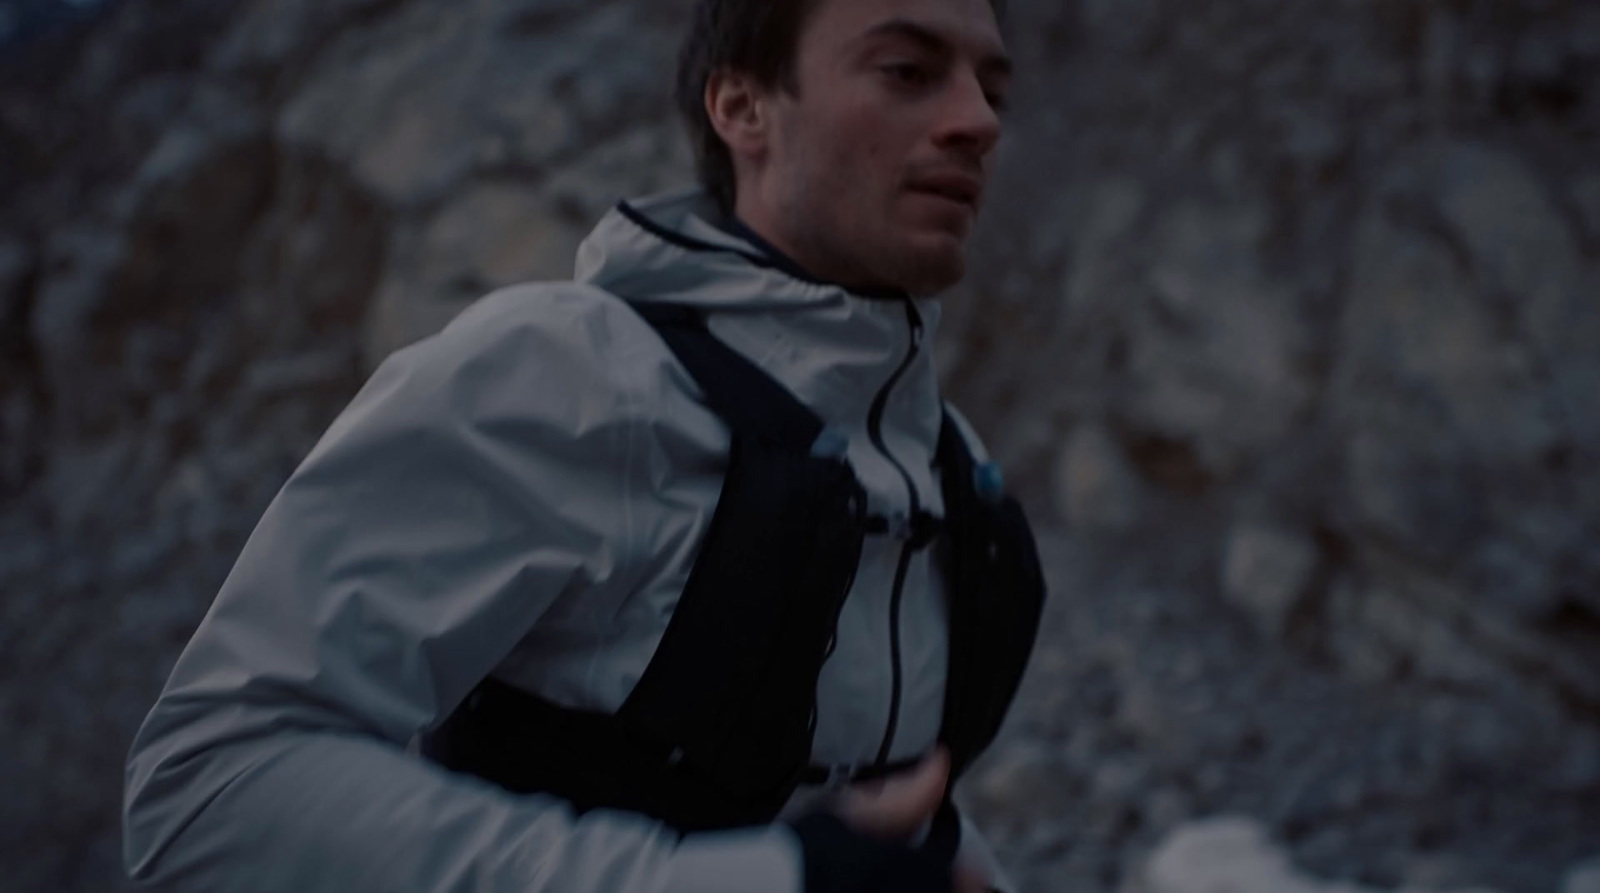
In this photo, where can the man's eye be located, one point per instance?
(907, 72)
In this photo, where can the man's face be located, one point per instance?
(872, 177)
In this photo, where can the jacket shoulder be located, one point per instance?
(558, 345)
(579, 315)
(566, 373)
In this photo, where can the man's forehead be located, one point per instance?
(964, 26)
(990, 54)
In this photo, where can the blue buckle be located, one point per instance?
(988, 480)
(831, 443)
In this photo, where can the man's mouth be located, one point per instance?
(955, 187)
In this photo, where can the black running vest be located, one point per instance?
(717, 733)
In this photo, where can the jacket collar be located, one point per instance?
(839, 352)
(677, 246)
(734, 225)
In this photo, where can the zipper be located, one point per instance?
(894, 651)
(880, 404)
(875, 434)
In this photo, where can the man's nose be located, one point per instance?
(970, 121)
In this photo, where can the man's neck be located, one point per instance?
(780, 259)
(735, 225)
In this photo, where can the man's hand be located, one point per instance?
(895, 808)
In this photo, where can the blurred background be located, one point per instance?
(1284, 318)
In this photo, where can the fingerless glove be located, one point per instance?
(839, 860)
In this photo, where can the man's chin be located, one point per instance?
(934, 266)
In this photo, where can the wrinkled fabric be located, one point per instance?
(523, 495)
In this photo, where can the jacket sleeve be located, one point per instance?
(477, 478)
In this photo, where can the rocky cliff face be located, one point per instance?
(1287, 306)
(1321, 278)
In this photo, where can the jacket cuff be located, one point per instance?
(740, 861)
(974, 852)
(838, 860)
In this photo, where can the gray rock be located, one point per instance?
(1095, 486)
(1517, 577)
(1417, 622)
(214, 123)
(15, 262)
(638, 162)
(1226, 854)
(1583, 877)
(270, 34)
(80, 262)
(455, 91)
(1578, 768)
(1266, 572)
(1586, 196)
(21, 556)
(1166, 808)
(1423, 348)
(19, 425)
(1519, 242)
(1004, 775)
(138, 553)
(279, 375)
(1110, 213)
(1118, 781)
(1232, 854)
(1216, 359)
(498, 236)
(1402, 489)
(81, 478)
(491, 236)
(1129, 24)
(401, 119)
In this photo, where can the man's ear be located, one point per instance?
(739, 113)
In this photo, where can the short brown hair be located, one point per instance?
(760, 38)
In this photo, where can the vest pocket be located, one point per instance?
(732, 686)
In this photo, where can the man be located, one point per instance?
(502, 542)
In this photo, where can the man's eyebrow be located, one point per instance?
(992, 63)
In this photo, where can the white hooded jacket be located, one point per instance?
(523, 495)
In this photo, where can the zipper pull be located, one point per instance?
(914, 320)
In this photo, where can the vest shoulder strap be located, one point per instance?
(744, 395)
(997, 595)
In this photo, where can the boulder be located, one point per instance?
(1583, 877)
(1232, 854)
(461, 89)
(491, 236)
(1226, 854)
(1216, 357)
